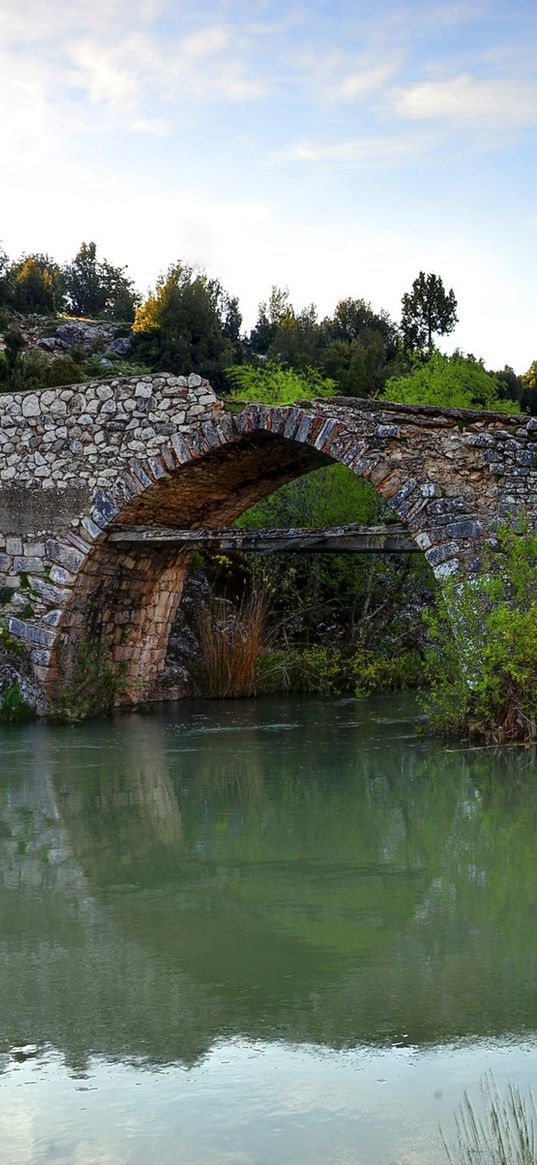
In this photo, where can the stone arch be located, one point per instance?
(210, 474)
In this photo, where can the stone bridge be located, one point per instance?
(77, 464)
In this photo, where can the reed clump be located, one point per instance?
(231, 640)
(505, 1135)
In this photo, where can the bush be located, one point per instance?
(271, 384)
(330, 671)
(14, 709)
(482, 663)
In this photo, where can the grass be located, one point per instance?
(231, 641)
(505, 1135)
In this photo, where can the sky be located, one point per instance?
(334, 148)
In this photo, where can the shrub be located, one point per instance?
(482, 663)
(14, 709)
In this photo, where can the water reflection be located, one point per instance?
(311, 873)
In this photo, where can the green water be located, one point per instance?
(259, 933)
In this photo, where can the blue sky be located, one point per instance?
(335, 148)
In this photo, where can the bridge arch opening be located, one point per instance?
(126, 595)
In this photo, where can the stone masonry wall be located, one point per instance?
(161, 450)
(69, 458)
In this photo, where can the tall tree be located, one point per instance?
(96, 288)
(271, 314)
(36, 284)
(359, 348)
(184, 323)
(428, 310)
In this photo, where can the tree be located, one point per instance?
(96, 288)
(4, 275)
(36, 284)
(427, 310)
(359, 348)
(184, 323)
(271, 314)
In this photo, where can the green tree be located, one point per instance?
(96, 288)
(4, 276)
(529, 378)
(271, 314)
(359, 348)
(428, 310)
(36, 283)
(182, 326)
(457, 381)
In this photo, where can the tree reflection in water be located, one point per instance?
(305, 871)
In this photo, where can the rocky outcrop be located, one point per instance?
(90, 336)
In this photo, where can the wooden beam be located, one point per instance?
(224, 540)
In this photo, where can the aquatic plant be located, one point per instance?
(505, 1135)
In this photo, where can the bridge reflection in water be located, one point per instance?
(236, 871)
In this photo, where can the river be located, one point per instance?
(259, 933)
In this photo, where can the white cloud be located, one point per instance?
(99, 72)
(356, 84)
(365, 152)
(504, 103)
(205, 43)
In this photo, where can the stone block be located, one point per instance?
(25, 564)
(30, 632)
(446, 569)
(438, 554)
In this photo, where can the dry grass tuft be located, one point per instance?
(231, 641)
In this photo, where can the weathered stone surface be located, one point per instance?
(30, 633)
(159, 451)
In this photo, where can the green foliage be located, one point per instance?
(14, 709)
(32, 369)
(10, 644)
(95, 687)
(332, 496)
(529, 378)
(457, 381)
(271, 384)
(428, 310)
(184, 325)
(325, 670)
(36, 284)
(95, 287)
(482, 664)
(356, 348)
(328, 610)
(359, 348)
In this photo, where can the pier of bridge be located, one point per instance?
(107, 487)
